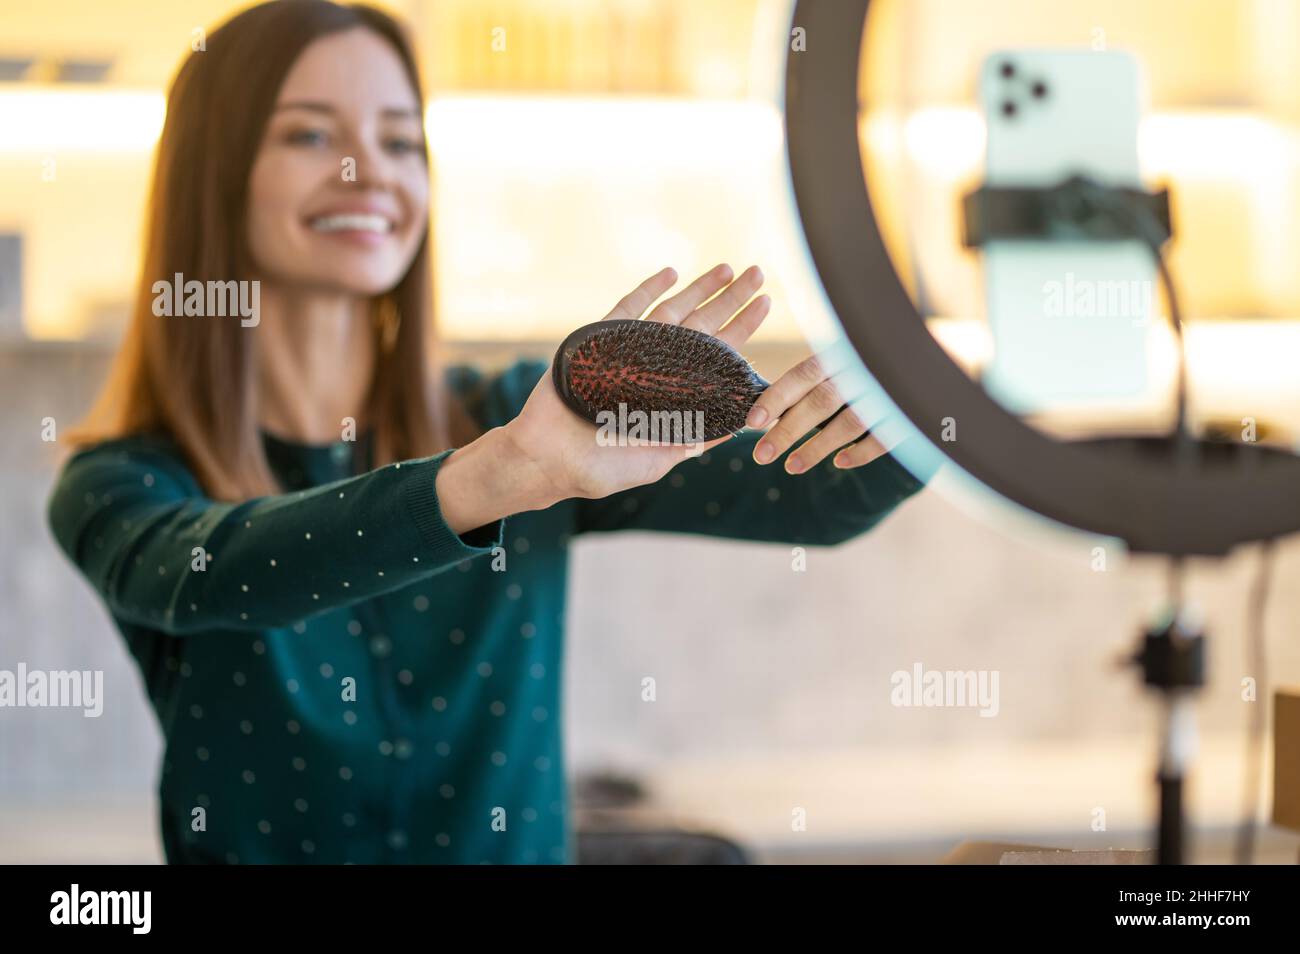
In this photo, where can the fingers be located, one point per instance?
(739, 329)
(863, 452)
(801, 400)
(812, 410)
(675, 309)
(635, 302)
(713, 314)
(786, 390)
(845, 427)
(805, 399)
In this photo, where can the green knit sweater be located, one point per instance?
(340, 677)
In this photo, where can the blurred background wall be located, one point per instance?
(606, 139)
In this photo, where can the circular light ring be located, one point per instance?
(1134, 490)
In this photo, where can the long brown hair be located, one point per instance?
(194, 380)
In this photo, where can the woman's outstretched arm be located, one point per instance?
(816, 475)
(160, 553)
(724, 493)
(136, 522)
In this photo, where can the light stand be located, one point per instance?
(1171, 656)
(1175, 495)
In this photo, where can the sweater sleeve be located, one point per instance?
(724, 493)
(133, 519)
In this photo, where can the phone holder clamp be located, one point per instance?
(1077, 209)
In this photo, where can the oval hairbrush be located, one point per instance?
(665, 372)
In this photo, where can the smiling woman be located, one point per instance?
(328, 689)
(267, 129)
(342, 169)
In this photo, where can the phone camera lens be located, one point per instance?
(1009, 108)
(1039, 89)
(1008, 70)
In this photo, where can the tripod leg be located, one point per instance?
(1177, 747)
(1169, 844)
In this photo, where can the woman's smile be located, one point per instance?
(362, 228)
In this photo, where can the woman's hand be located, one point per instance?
(803, 398)
(563, 447)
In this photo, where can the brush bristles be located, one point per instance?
(657, 369)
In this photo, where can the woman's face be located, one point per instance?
(339, 191)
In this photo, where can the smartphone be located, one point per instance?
(1069, 319)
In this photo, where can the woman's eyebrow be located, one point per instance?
(305, 104)
(391, 112)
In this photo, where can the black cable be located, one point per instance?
(1148, 228)
(1177, 573)
(1256, 663)
(1176, 321)
(1151, 233)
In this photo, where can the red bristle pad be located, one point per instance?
(655, 366)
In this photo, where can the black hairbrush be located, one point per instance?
(683, 379)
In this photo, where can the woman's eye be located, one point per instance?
(308, 137)
(401, 145)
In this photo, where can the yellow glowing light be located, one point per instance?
(556, 206)
(1217, 351)
(79, 120)
(1216, 145)
(947, 142)
(623, 131)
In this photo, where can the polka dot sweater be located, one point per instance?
(340, 677)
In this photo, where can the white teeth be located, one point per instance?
(352, 221)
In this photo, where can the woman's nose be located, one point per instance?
(372, 165)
